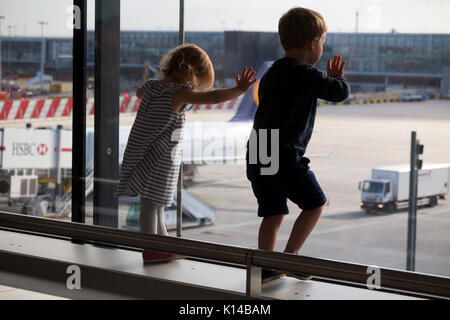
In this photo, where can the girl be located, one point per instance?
(153, 153)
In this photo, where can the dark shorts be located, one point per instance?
(294, 182)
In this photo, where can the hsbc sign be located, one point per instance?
(28, 149)
(34, 148)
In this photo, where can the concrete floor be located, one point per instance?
(10, 293)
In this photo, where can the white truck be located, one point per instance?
(388, 188)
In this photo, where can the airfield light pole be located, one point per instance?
(240, 22)
(181, 26)
(1, 18)
(9, 47)
(415, 165)
(42, 23)
(13, 44)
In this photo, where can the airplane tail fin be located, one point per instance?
(247, 108)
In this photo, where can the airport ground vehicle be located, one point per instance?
(90, 83)
(409, 96)
(388, 188)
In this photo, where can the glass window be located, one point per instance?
(391, 40)
(409, 41)
(389, 68)
(373, 187)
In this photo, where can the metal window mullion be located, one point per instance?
(253, 278)
(79, 116)
(106, 111)
(412, 213)
(180, 176)
(180, 201)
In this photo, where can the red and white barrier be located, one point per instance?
(62, 107)
(227, 105)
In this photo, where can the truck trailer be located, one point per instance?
(388, 188)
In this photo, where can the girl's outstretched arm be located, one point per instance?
(191, 96)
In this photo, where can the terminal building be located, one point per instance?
(376, 61)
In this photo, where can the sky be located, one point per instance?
(405, 16)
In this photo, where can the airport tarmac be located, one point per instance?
(362, 137)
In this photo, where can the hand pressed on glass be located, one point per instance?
(335, 68)
(245, 80)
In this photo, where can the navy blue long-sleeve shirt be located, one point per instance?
(288, 94)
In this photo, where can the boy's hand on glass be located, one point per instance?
(246, 79)
(335, 68)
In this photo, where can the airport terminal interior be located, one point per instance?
(69, 77)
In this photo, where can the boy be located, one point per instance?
(288, 95)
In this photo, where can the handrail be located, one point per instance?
(390, 279)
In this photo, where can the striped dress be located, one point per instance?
(153, 153)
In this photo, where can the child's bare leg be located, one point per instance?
(161, 222)
(268, 232)
(302, 228)
(148, 218)
(151, 218)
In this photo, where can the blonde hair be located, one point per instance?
(187, 62)
(298, 26)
